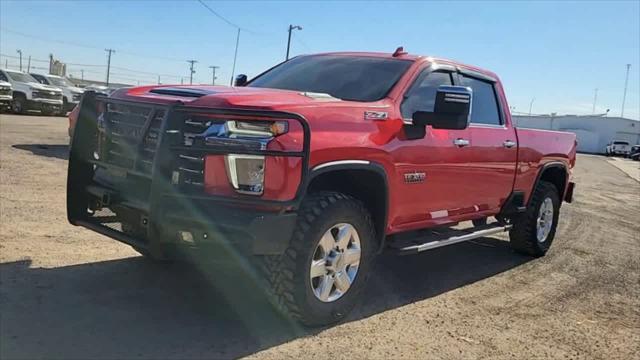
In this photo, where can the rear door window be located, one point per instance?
(484, 108)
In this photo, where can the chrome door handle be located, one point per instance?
(461, 142)
(509, 143)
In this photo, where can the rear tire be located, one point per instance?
(533, 231)
(307, 281)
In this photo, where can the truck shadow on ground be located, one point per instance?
(132, 307)
(46, 150)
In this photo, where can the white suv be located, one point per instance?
(71, 94)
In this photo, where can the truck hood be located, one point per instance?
(74, 89)
(223, 96)
(39, 86)
(5, 84)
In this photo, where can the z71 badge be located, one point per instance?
(414, 177)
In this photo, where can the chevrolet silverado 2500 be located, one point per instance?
(29, 94)
(314, 166)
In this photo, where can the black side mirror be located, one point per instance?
(241, 80)
(452, 109)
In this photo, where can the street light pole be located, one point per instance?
(109, 51)
(235, 57)
(595, 98)
(624, 95)
(20, 52)
(291, 28)
(531, 105)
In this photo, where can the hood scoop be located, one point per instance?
(183, 92)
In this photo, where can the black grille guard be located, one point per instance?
(81, 187)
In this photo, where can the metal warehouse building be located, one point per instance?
(593, 132)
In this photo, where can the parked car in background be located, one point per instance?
(6, 93)
(618, 147)
(100, 89)
(29, 94)
(635, 153)
(71, 94)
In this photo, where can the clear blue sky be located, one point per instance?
(556, 52)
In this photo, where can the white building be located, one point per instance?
(593, 132)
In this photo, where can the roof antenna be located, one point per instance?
(399, 51)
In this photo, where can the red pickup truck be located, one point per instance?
(314, 166)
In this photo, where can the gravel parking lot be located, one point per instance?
(66, 292)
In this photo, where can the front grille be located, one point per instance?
(5, 91)
(189, 171)
(132, 136)
(50, 95)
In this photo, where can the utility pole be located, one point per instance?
(595, 98)
(82, 74)
(109, 51)
(291, 28)
(624, 95)
(531, 105)
(158, 79)
(191, 71)
(213, 76)
(235, 57)
(20, 52)
(29, 64)
(6, 63)
(50, 63)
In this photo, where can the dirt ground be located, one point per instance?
(66, 292)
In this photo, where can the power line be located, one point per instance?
(85, 45)
(219, 16)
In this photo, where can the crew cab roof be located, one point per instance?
(414, 57)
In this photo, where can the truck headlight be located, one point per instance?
(246, 173)
(257, 128)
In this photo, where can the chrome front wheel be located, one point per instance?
(335, 262)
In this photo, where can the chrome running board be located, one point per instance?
(478, 233)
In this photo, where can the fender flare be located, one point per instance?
(362, 165)
(545, 167)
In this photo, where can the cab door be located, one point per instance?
(492, 155)
(432, 172)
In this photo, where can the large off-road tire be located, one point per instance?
(533, 231)
(19, 103)
(321, 275)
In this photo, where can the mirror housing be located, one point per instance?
(241, 80)
(452, 109)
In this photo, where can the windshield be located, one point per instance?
(59, 81)
(21, 77)
(357, 78)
